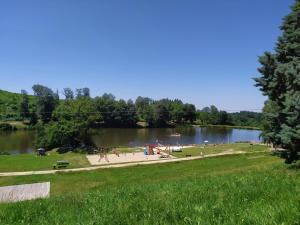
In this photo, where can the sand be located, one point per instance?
(123, 158)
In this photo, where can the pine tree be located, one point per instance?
(280, 82)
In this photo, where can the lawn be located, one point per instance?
(243, 189)
(213, 149)
(30, 162)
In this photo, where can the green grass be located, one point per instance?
(62, 182)
(29, 162)
(213, 149)
(245, 189)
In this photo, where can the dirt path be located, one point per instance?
(28, 173)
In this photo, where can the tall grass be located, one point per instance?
(255, 197)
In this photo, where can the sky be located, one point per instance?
(203, 52)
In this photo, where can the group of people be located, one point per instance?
(104, 151)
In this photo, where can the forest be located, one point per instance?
(68, 120)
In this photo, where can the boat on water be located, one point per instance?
(175, 135)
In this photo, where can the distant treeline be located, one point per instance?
(105, 110)
(212, 116)
(110, 112)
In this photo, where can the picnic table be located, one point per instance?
(61, 164)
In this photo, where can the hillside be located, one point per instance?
(9, 104)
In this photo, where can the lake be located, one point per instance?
(23, 141)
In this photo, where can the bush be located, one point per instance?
(61, 134)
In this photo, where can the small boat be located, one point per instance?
(175, 135)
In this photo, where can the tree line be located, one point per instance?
(68, 121)
(106, 110)
(213, 116)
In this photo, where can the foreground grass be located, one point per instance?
(28, 162)
(246, 189)
(80, 182)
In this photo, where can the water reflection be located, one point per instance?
(17, 142)
(189, 135)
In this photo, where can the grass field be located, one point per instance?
(245, 189)
(29, 162)
(213, 149)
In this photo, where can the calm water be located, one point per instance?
(17, 142)
(23, 141)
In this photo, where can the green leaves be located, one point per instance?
(280, 81)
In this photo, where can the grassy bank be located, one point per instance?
(18, 124)
(86, 181)
(247, 189)
(221, 148)
(15, 125)
(29, 162)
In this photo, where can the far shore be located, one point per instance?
(229, 126)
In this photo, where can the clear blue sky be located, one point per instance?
(201, 51)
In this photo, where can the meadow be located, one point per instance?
(242, 189)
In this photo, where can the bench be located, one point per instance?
(61, 164)
(188, 155)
